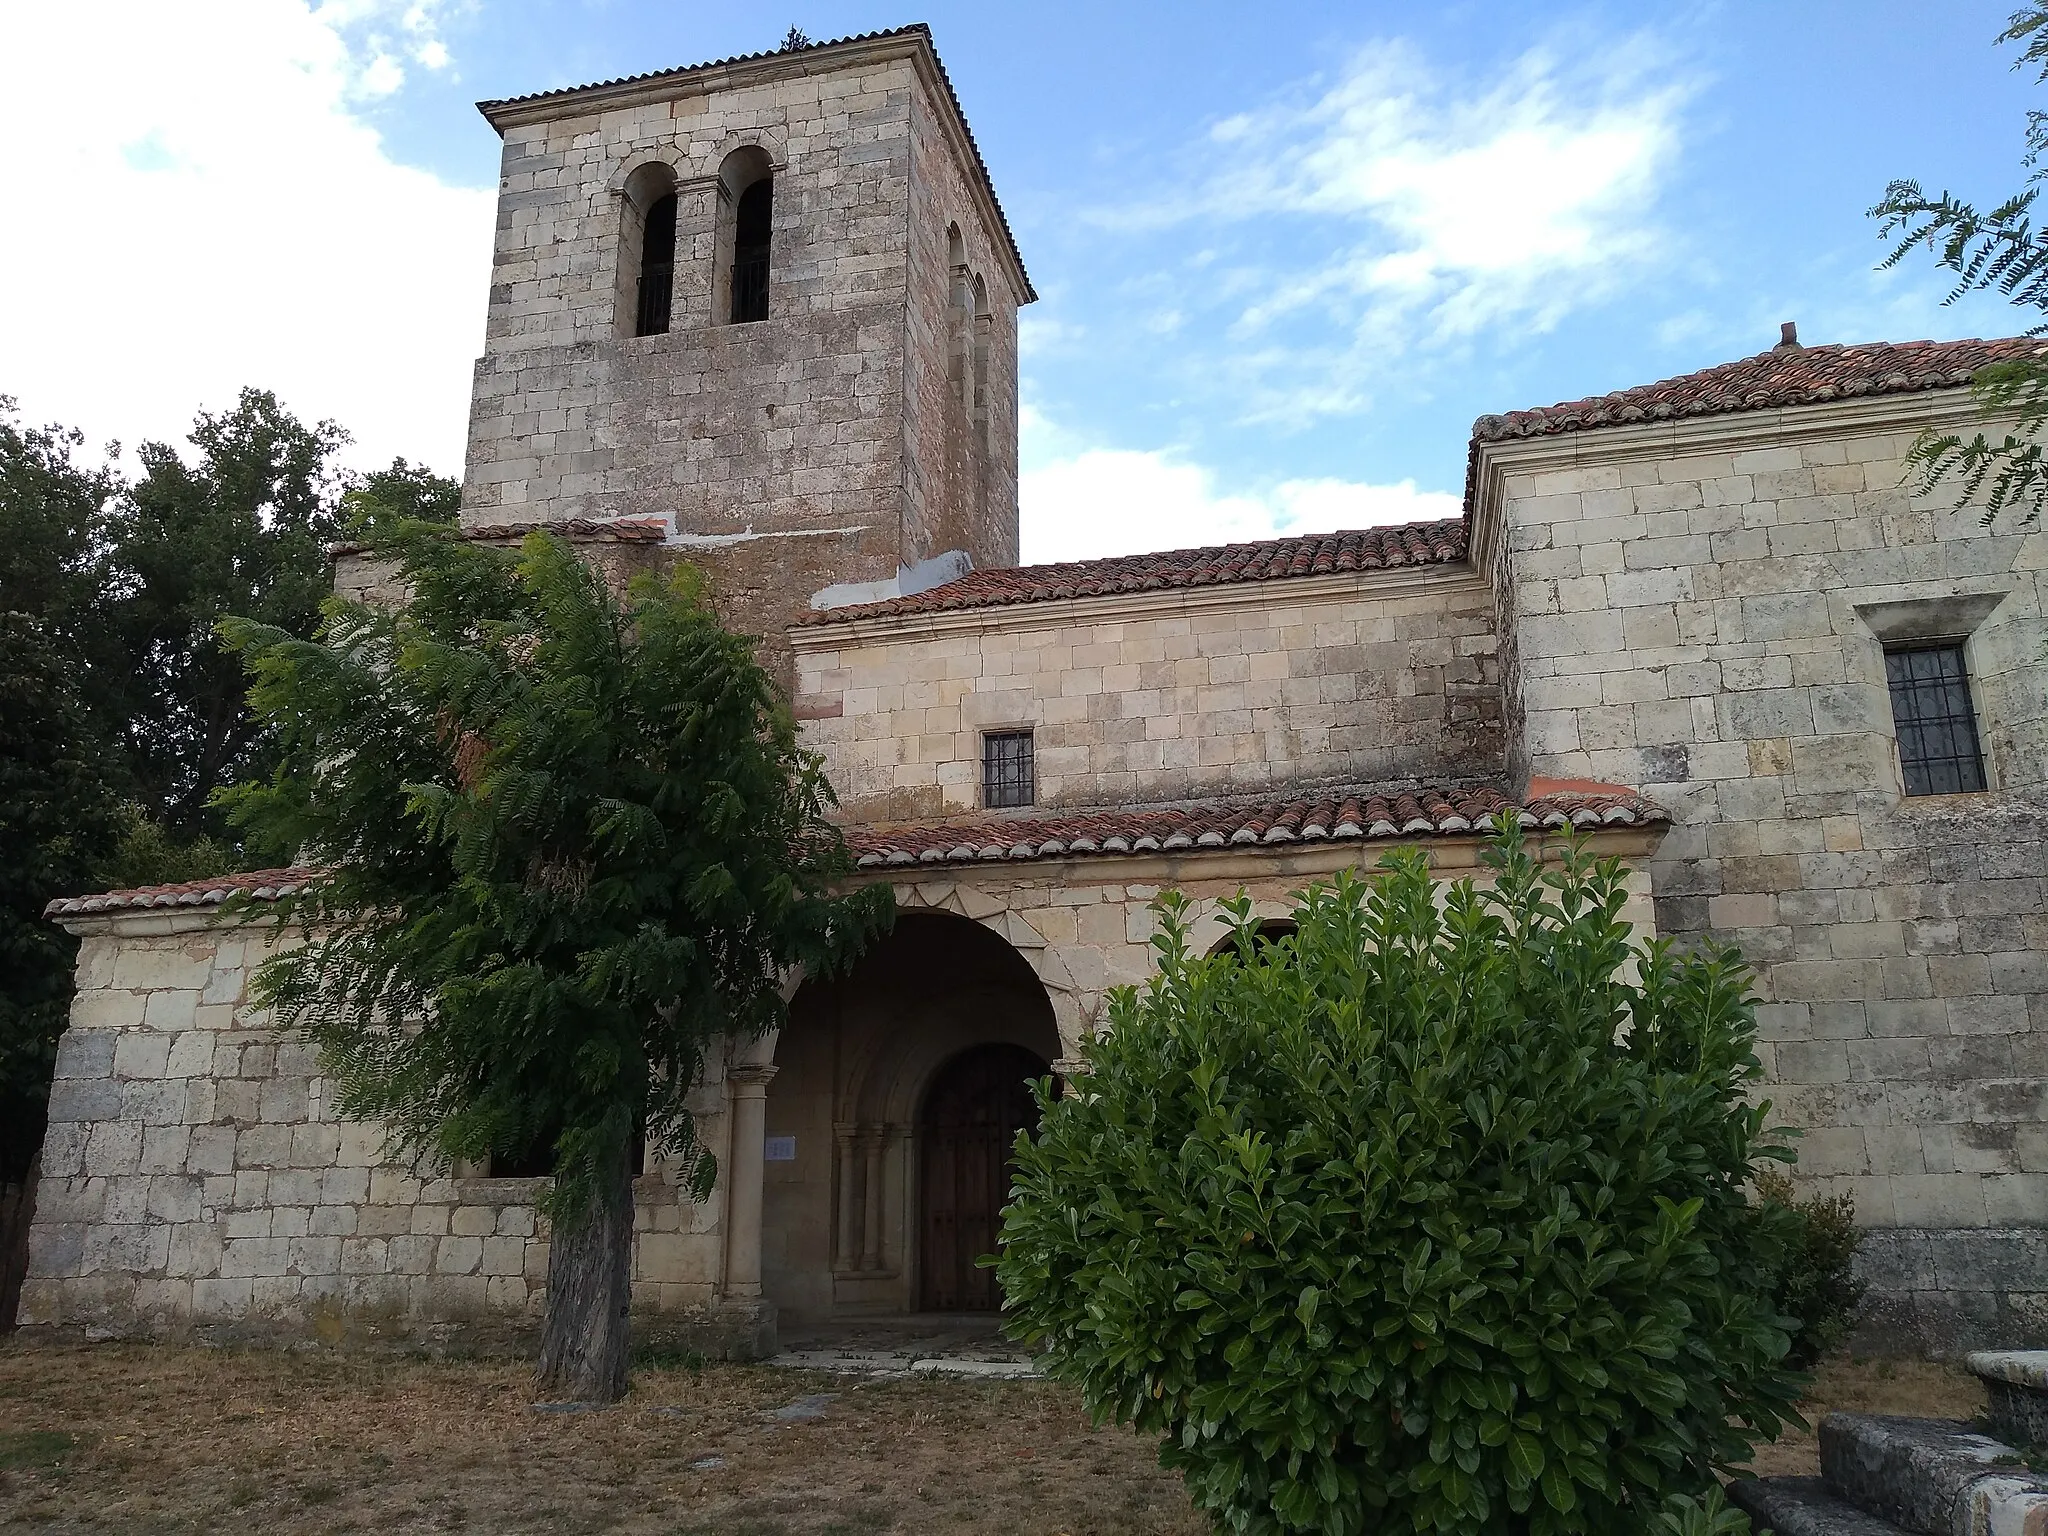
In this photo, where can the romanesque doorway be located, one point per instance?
(966, 1131)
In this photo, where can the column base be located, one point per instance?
(731, 1328)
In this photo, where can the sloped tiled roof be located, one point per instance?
(262, 884)
(1344, 814)
(1366, 549)
(1785, 375)
(914, 29)
(1360, 814)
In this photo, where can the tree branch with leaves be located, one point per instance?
(567, 845)
(1999, 251)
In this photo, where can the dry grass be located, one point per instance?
(134, 1438)
(1923, 1389)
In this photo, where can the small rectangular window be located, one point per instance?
(1008, 776)
(1937, 728)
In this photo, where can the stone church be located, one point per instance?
(761, 315)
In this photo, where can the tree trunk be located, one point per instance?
(583, 1341)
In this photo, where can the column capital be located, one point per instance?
(750, 1078)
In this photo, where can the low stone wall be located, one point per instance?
(195, 1179)
(1945, 1292)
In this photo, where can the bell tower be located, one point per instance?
(760, 313)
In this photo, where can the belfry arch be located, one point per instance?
(845, 1207)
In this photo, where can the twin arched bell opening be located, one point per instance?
(651, 253)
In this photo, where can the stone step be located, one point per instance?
(2016, 1382)
(1934, 1477)
(1802, 1506)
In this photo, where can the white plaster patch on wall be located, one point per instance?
(909, 581)
(749, 536)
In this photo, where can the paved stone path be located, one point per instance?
(935, 1345)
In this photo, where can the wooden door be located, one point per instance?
(971, 1118)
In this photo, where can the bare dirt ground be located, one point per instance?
(133, 1438)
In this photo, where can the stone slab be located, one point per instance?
(1932, 1476)
(2016, 1384)
(1802, 1506)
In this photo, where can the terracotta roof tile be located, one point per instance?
(1345, 813)
(1358, 813)
(263, 884)
(1367, 549)
(914, 29)
(1785, 375)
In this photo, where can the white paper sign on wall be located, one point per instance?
(781, 1149)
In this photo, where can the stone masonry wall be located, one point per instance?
(1320, 679)
(781, 449)
(1699, 610)
(195, 1177)
(972, 451)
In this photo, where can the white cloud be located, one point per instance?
(212, 213)
(1398, 211)
(1082, 503)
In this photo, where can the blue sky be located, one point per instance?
(1287, 253)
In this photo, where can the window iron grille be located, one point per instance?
(754, 222)
(656, 293)
(657, 269)
(1936, 725)
(750, 286)
(1008, 773)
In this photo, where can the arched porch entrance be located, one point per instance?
(897, 1093)
(967, 1133)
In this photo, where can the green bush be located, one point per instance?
(1817, 1285)
(1707, 1515)
(1435, 1224)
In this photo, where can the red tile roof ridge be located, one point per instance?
(1303, 813)
(262, 884)
(1439, 541)
(1781, 376)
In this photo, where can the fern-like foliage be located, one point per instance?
(566, 843)
(1999, 251)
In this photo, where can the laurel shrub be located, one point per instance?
(1429, 1217)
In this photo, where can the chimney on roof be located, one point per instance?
(1788, 337)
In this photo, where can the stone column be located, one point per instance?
(844, 1253)
(874, 1141)
(749, 1082)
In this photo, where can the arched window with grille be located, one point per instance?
(647, 252)
(751, 230)
(746, 221)
(657, 269)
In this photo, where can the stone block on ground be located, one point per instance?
(1932, 1476)
(1802, 1506)
(2016, 1382)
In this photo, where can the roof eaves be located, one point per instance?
(503, 112)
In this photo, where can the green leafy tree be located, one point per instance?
(54, 515)
(568, 843)
(58, 822)
(1996, 251)
(1438, 1226)
(242, 529)
(59, 811)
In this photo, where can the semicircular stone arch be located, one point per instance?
(1074, 1007)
